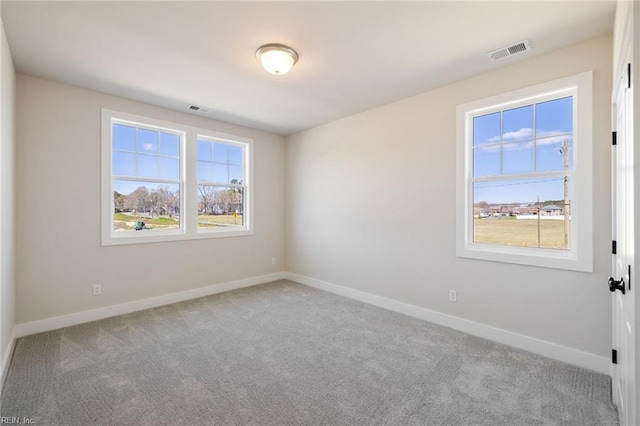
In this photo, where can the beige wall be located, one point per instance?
(391, 172)
(59, 256)
(7, 200)
(371, 206)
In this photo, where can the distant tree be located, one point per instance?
(139, 200)
(118, 201)
(549, 202)
(235, 195)
(207, 199)
(215, 200)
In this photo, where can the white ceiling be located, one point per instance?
(354, 56)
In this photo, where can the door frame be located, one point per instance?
(626, 39)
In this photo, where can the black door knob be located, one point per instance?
(616, 285)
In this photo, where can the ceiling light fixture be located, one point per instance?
(276, 58)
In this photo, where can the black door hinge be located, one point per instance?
(614, 247)
(629, 76)
(614, 138)
(614, 356)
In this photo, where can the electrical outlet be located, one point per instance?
(453, 296)
(97, 289)
(273, 260)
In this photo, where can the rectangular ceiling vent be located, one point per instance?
(508, 51)
(201, 110)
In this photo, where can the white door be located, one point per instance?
(623, 283)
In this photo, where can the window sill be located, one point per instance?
(544, 258)
(145, 238)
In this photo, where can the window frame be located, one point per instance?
(580, 255)
(188, 182)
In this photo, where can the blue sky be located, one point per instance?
(155, 154)
(219, 162)
(521, 140)
(527, 140)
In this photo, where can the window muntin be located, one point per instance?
(538, 137)
(153, 174)
(507, 141)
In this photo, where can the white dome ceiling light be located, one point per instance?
(277, 59)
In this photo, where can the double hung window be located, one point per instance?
(164, 181)
(524, 176)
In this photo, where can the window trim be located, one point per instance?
(580, 256)
(189, 192)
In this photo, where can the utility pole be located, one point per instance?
(565, 151)
(538, 221)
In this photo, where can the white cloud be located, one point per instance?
(527, 133)
(524, 133)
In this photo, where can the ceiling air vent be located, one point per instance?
(505, 52)
(201, 110)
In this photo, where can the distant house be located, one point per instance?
(502, 210)
(551, 210)
(526, 209)
(479, 212)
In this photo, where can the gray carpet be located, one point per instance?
(285, 354)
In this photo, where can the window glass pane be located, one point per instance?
(235, 174)
(169, 144)
(145, 206)
(124, 163)
(507, 212)
(235, 155)
(551, 153)
(517, 158)
(204, 151)
(148, 166)
(486, 161)
(554, 117)
(220, 206)
(220, 152)
(123, 137)
(169, 168)
(148, 141)
(220, 173)
(517, 124)
(486, 129)
(205, 171)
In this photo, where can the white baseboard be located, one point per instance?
(6, 359)
(55, 323)
(541, 347)
(531, 344)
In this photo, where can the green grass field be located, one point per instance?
(127, 222)
(523, 233)
(209, 221)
